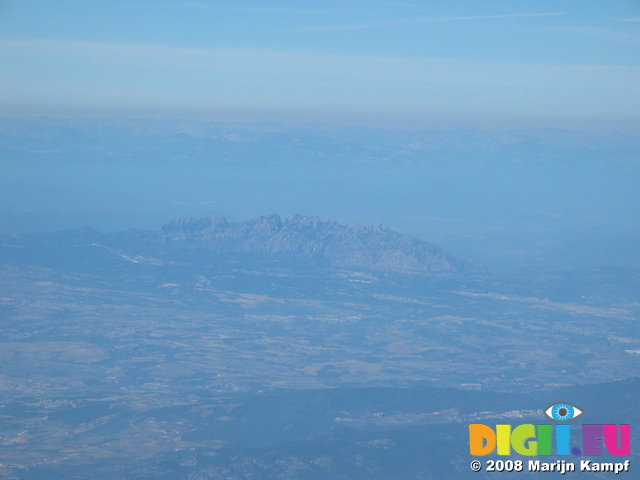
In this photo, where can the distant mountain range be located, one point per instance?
(305, 239)
(310, 239)
(512, 199)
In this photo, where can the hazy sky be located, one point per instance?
(423, 64)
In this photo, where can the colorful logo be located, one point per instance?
(530, 440)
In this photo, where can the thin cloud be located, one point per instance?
(397, 4)
(420, 21)
(631, 19)
(311, 66)
(219, 6)
(151, 77)
(607, 35)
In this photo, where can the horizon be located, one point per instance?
(374, 63)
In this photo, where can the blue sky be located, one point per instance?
(494, 64)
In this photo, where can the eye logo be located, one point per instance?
(563, 412)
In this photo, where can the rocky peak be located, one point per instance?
(310, 239)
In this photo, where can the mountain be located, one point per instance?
(303, 239)
(309, 239)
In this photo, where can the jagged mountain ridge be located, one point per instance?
(310, 239)
(305, 239)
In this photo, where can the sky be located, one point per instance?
(469, 63)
